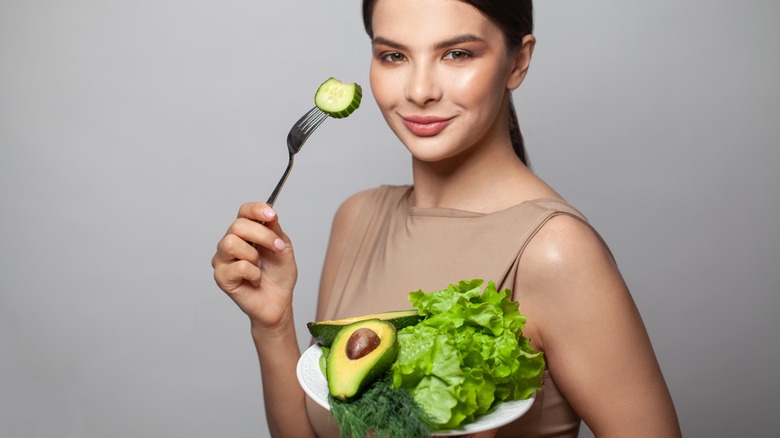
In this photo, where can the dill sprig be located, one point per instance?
(386, 411)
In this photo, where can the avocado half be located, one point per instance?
(361, 352)
(325, 331)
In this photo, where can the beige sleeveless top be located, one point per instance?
(395, 249)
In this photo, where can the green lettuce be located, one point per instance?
(467, 355)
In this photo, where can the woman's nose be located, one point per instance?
(422, 87)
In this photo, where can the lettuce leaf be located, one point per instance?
(468, 354)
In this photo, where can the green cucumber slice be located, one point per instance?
(338, 99)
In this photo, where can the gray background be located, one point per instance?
(131, 131)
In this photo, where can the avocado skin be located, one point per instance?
(325, 331)
(347, 378)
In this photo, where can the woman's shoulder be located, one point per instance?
(566, 266)
(350, 209)
(567, 238)
(567, 260)
(352, 205)
(556, 205)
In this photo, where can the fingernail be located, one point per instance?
(269, 212)
(260, 263)
(279, 244)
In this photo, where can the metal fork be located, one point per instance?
(295, 140)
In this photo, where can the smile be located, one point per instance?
(425, 126)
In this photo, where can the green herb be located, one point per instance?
(386, 411)
(467, 354)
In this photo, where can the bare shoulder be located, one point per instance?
(564, 244)
(567, 274)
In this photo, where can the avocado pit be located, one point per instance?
(362, 342)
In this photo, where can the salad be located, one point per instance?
(467, 354)
(457, 360)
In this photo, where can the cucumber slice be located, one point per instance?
(338, 99)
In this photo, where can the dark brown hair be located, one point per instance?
(515, 19)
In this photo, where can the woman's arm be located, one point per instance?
(260, 278)
(275, 336)
(595, 343)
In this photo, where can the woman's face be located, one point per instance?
(440, 73)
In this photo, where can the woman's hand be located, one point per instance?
(255, 265)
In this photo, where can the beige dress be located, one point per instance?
(395, 249)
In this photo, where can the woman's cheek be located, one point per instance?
(470, 87)
(381, 86)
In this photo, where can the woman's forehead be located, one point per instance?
(429, 20)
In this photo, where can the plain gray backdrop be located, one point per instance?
(131, 131)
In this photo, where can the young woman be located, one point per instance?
(442, 72)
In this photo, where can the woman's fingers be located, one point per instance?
(230, 276)
(242, 234)
(255, 266)
(266, 215)
(255, 232)
(233, 247)
(257, 211)
(238, 252)
(252, 214)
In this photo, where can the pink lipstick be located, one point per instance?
(425, 126)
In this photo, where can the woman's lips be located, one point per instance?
(425, 126)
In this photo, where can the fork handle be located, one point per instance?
(275, 193)
(272, 198)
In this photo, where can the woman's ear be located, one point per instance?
(521, 59)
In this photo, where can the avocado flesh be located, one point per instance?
(348, 377)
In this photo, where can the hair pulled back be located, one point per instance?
(515, 19)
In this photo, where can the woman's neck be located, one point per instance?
(483, 179)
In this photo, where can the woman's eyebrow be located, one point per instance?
(387, 42)
(459, 40)
(444, 44)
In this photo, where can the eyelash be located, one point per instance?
(395, 57)
(463, 53)
(392, 57)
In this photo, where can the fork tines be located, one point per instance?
(312, 119)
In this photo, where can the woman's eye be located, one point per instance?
(394, 57)
(456, 55)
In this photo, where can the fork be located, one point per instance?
(298, 135)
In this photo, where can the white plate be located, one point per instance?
(315, 385)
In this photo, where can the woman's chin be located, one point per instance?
(429, 149)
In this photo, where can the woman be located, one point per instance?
(442, 72)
